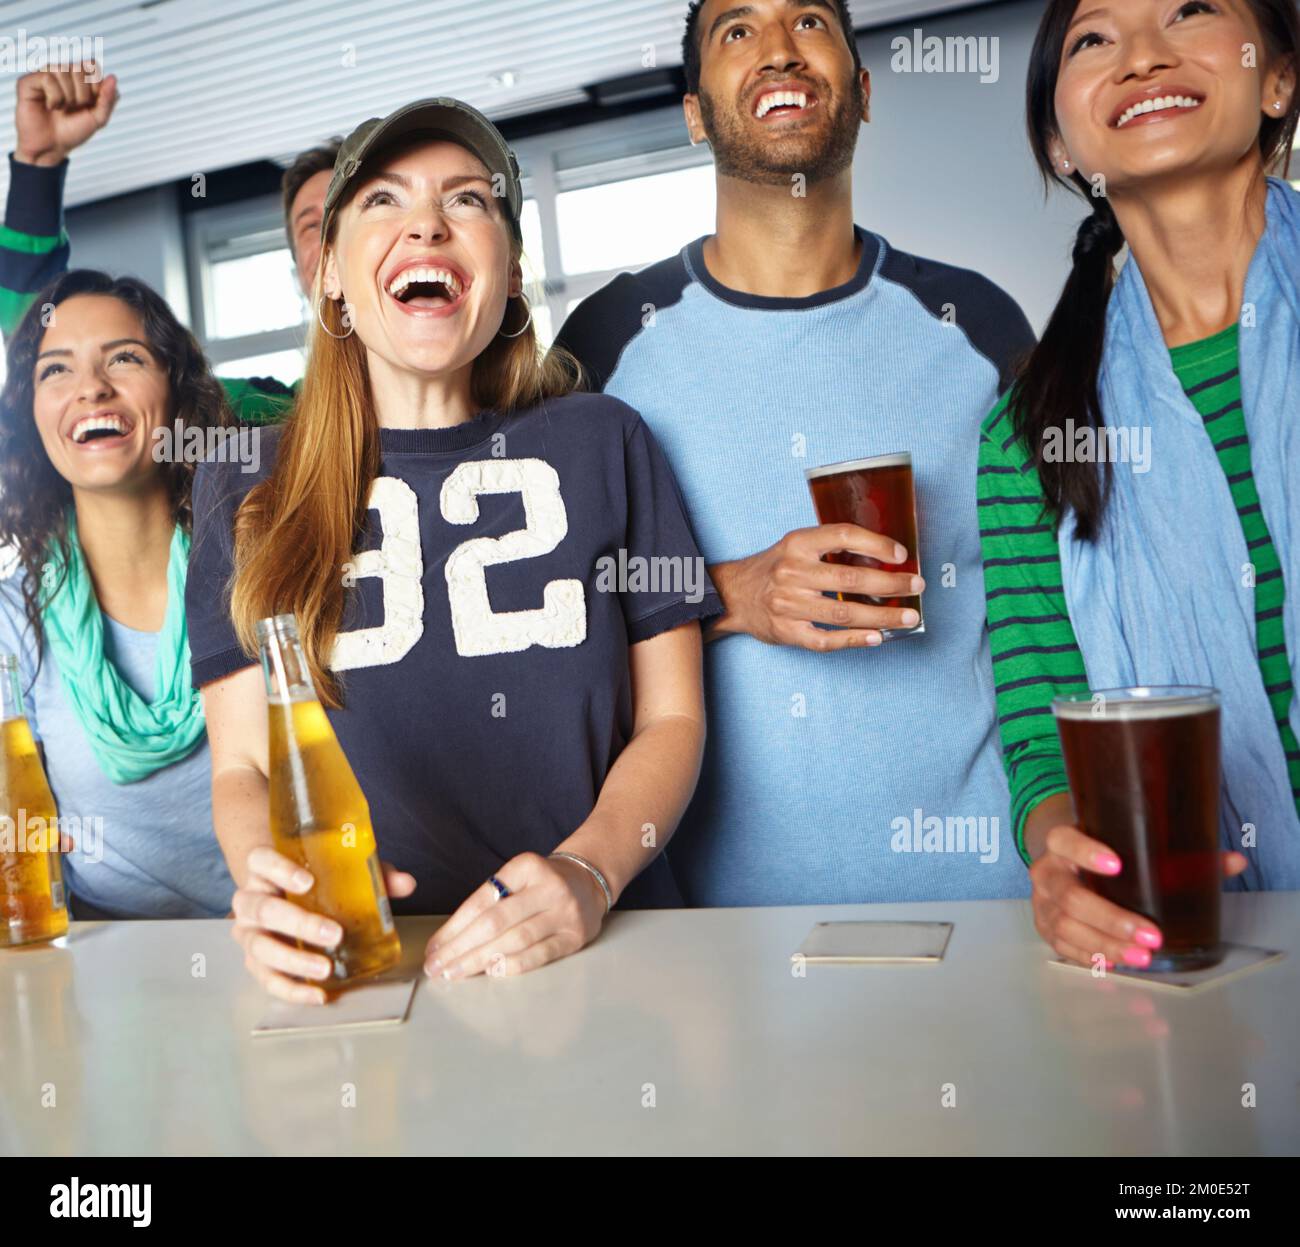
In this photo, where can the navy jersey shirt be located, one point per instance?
(508, 564)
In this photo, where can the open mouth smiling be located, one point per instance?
(100, 428)
(1159, 105)
(427, 287)
(774, 103)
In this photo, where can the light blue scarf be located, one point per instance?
(1160, 599)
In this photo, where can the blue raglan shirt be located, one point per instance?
(852, 776)
(483, 657)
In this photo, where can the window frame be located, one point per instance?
(646, 144)
(230, 225)
(596, 154)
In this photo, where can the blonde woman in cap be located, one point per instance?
(526, 728)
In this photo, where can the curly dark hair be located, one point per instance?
(691, 40)
(34, 498)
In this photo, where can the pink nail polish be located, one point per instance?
(1106, 863)
(1138, 957)
(433, 968)
(1148, 937)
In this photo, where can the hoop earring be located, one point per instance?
(320, 309)
(522, 331)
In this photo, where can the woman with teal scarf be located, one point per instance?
(1139, 486)
(95, 518)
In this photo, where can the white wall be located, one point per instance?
(139, 235)
(944, 169)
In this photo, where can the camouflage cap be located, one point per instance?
(439, 118)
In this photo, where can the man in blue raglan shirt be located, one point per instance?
(791, 338)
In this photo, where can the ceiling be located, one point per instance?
(207, 84)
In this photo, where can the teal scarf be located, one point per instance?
(131, 739)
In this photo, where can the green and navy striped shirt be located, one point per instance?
(34, 250)
(1035, 654)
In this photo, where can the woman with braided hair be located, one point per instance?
(1139, 485)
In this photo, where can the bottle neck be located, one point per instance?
(284, 668)
(11, 692)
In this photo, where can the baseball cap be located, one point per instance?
(439, 118)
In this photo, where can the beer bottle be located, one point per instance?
(319, 816)
(32, 904)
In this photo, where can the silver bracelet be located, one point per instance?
(595, 874)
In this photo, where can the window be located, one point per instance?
(249, 315)
(598, 200)
(534, 266)
(286, 366)
(254, 294)
(632, 223)
(612, 197)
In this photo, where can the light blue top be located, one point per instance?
(853, 776)
(146, 849)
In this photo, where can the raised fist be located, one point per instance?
(59, 109)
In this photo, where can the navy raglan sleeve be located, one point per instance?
(214, 650)
(598, 329)
(667, 584)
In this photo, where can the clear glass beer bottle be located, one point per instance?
(319, 816)
(33, 906)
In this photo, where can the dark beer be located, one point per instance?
(1144, 774)
(878, 495)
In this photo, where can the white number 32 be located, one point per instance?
(561, 620)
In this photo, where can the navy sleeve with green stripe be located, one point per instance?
(34, 250)
(1035, 654)
(33, 242)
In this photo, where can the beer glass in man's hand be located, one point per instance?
(877, 494)
(779, 594)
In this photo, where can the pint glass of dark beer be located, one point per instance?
(878, 495)
(1143, 765)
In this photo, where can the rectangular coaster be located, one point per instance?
(1239, 959)
(381, 1003)
(849, 943)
